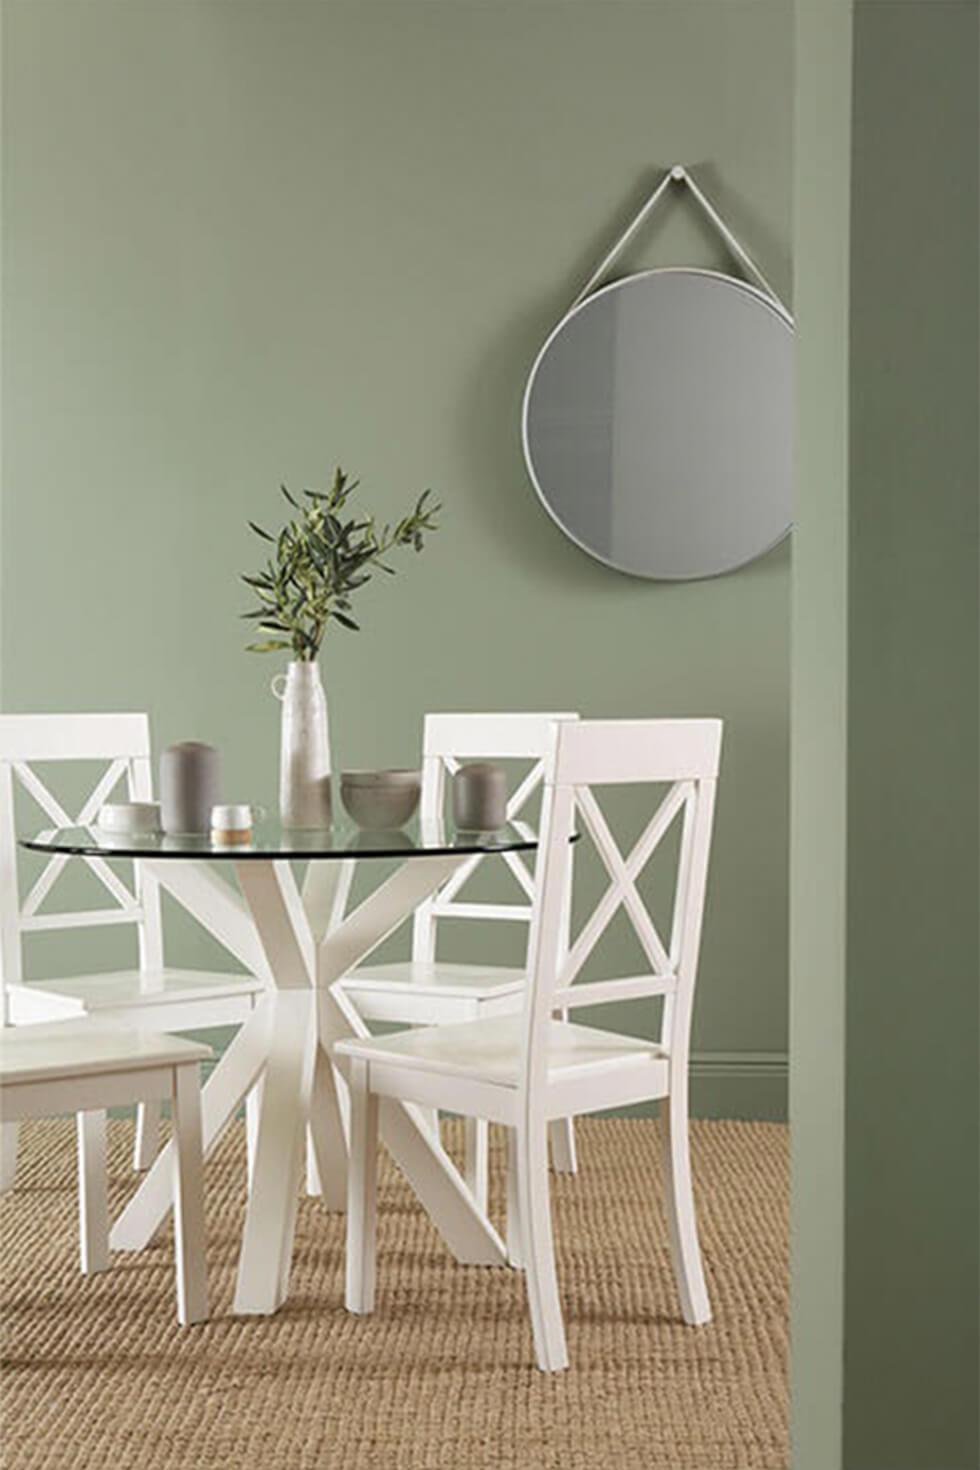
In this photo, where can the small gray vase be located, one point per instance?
(480, 797)
(190, 785)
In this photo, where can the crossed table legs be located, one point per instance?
(283, 1053)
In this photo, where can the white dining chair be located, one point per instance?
(522, 1071)
(81, 1067)
(151, 994)
(426, 991)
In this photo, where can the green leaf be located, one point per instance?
(273, 645)
(321, 558)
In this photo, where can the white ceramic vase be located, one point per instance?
(304, 759)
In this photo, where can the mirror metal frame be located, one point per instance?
(766, 298)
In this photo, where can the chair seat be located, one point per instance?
(439, 978)
(80, 995)
(490, 1051)
(65, 1049)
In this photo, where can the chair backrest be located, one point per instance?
(682, 754)
(449, 740)
(121, 744)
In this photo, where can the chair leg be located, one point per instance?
(362, 1192)
(326, 1136)
(147, 1139)
(312, 1181)
(564, 1159)
(476, 1167)
(515, 1248)
(253, 1099)
(189, 1232)
(681, 1221)
(561, 1133)
(8, 1155)
(539, 1253)
(93, 1202)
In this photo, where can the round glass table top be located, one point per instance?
(270, 840)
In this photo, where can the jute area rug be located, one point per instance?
(96, 1373)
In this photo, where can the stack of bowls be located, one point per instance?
(380, 800)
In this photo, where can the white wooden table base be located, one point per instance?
(285, 1047)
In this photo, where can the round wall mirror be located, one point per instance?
(658, 424)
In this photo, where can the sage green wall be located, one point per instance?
(912, 1177)
(818, 811)
(885, 954)
(243, 241)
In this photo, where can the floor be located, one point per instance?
(96, 1373)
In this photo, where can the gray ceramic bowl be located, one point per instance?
(380, 800)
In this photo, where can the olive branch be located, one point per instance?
(319, 560)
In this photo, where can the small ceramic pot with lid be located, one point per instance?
(190, 785)
(480, 797)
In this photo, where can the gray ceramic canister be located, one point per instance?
(190, 785)
(480, 797)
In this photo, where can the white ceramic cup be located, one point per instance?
(232, 821)
(130, 816)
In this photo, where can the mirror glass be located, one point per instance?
(658, 424)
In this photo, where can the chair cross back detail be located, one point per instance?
(622, 893)
(447, 907)
(449, 740)
(125, 901)
(122, 744)
(691, 770)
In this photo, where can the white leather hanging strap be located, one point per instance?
(678, 174)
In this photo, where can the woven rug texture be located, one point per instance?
(96, 1374)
